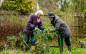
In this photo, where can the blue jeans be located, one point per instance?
(32, 39)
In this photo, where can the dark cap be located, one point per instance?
(51, 14)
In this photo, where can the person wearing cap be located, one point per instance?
(62, 29)
(33, 20)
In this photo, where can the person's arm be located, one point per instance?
(40, 26)
(57, 25)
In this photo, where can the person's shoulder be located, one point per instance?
(32, 14)
(57, 17)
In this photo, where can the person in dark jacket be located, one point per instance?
(33, 21)
(62, 29)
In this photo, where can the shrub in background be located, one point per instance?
(22, 6)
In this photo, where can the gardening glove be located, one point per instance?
(43, 29)
(34, 26)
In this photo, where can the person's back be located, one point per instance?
(63, 28)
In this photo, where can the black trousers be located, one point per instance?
(67, 40)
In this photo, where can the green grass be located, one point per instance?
(51, 51)
(74, 50)
(18, 51)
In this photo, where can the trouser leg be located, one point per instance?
(60, 41)
(26, 39)
(33, 40)
(67, 41)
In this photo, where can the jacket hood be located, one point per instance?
(57, 17)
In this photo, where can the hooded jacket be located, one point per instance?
(61, 26)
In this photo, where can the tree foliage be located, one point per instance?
(22, 6)
(76, 5)
(65, 5)
(79, 5)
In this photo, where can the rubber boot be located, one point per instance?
(61, 49)
(69, 48)
(33, 47)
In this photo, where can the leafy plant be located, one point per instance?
(22, 6)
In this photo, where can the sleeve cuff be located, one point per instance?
(43, 29)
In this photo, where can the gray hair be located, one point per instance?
(39, 12)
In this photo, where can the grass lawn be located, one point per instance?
(51, 51)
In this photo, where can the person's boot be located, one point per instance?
(33, 48)
(69, 48)
(61, 49)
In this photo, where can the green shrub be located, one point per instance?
(22, 6)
